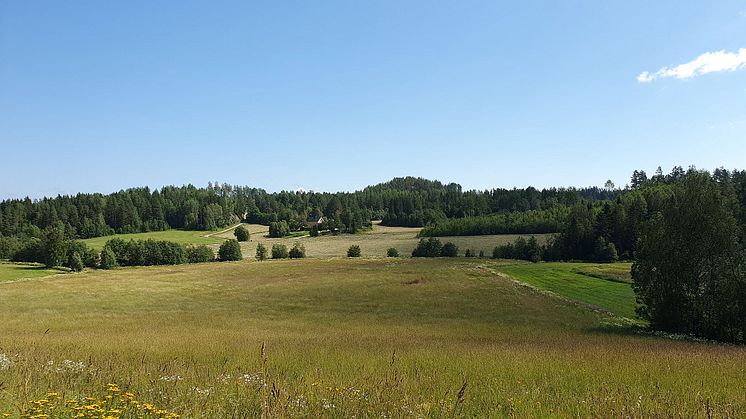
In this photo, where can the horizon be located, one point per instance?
(358, 189)
(335, 97)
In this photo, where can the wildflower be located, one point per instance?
(203, 392)
(5, 362)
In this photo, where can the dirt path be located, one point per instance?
(221, 232)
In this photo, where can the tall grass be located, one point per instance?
(340, 338)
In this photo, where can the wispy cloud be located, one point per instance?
(709, 62)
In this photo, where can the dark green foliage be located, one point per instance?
(88, 256)
(230, 250)
(604, 251)
(314, 231)
(242, 234)
(147, 252)
(353, 251)
(31, 250)
(199, 254)
(108, 259)
(9, 246)
(392, 252)
(75, 263)
(279, 251)
(531, 222)
(429, 248)
(449, 250)
(298, 251)
(690, 269)
(402, 201)
(261, 252)
(521, 249)
(481, 253)
(53, 243)
(279, 229)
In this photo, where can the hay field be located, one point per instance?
(342, 337)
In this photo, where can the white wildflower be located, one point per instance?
(5, 362)
(204, 392)
(66, 366)
(252, 379)
(171, 378)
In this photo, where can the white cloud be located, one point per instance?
(709, 62)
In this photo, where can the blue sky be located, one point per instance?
(336, 95)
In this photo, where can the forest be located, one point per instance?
(407, 201)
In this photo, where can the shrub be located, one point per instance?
(242, 234)
(279, 229)
(230, 250)
(449, 250)
(429, 248)
(75, 263)
(88, 256)
(353, 251)
(481, 254)
(314, 232)
(9, 246)
(279, 251)
(31, 250)
(108, 258)
(199, 254)
(392, 252)
(297, 252)
(261, 252)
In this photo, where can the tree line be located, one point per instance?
(686, 235)
(400, 202)
(53, 249)
(527, 222)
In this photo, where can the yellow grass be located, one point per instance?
(347, 337)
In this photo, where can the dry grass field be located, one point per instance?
(344, 337)
(373, 243)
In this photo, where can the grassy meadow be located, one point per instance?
(373, 242)
(570, 280)
(352, 337)
(17, 271)
(178, 236)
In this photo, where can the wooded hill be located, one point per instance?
(400, 202)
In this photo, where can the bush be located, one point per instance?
(242, 234)
(605, 251)
(353, 251)
(449, 250)
(429, 248)
(230, 250)
(279, 251)
(31, 250)
(88, 257)
(314, 232)
(297, 252)
(481, 254)
(261, 252)
(75, 263)
(199, 254)
(9, 246)
(522, 249)
(392, 252)
(108, 258)
(279, 229)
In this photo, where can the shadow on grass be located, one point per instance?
(626, 327)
